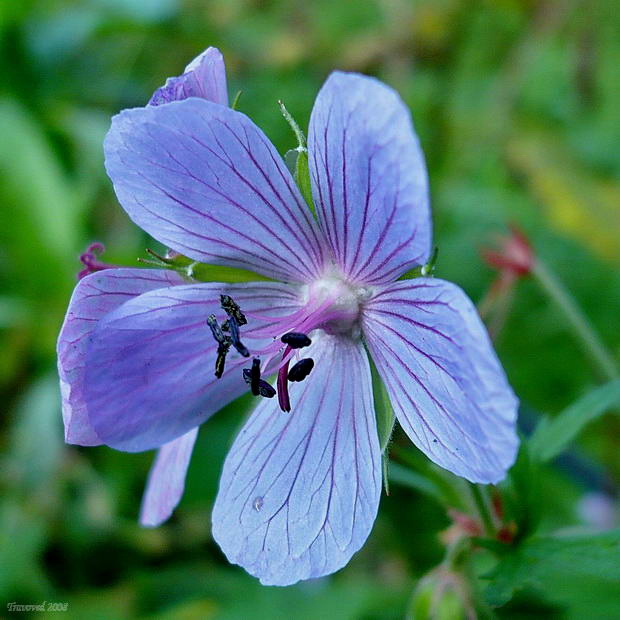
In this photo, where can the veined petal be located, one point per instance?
(204, 77)
(368, 179)
(150, 363)
(95, 296)
(205, 181)
(166, 482)
(447, 387)
(299, 491)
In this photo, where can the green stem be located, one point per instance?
(483, 509)
(455, 552)
(577, 320)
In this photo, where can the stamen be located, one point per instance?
(223, 345)
(216, 330)
(255, 377)
(235, 319)
(220, 361)
(266, 390)
(233, 327)
(301, 369)
(232, 309)
(262, 388)
(296, 340)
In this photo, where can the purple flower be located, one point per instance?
(300, 490)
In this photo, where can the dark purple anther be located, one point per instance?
(301, 369)
(222, 350)
(255, 377)
(233, 328)
(216, 330)
(223, 344)
(266, 390)
(296, 340)
(262, 388)
(232, 309)
(235, 319)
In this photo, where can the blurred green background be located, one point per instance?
(518, 109)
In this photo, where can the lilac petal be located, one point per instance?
(299, 491)
(204, 77)
(150, 363)
(205, 181)
(95, 296)
(447, 387)
(166, 482)
(368, 179)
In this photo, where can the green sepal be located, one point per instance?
(235, 103)
(204, 272)
(220, 273)
(302, 176)
(385, 419)
(427, 270)
(383, 408)
(296, 161)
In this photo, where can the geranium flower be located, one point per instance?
(300, 487)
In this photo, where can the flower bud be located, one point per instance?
(441, 595)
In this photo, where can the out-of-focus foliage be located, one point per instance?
(517, 106)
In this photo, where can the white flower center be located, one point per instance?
(337, 304)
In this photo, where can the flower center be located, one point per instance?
(338, 305)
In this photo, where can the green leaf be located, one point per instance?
(36, 441)
(543, 561)
(521, 492)
(408, 478)
(553, 435)
(43, 202)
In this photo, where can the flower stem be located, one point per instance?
(578, 322)
(483, 509)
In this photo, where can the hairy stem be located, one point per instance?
(577, 321)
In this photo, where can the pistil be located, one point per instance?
(330, 305)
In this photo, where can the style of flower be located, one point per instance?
(300, 487)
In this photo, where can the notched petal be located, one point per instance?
(447, 387)
(204, 77)
(369, 179)
(299, 491)
(166, 482)
(93, 297)
(205, 181)
(150, 363)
